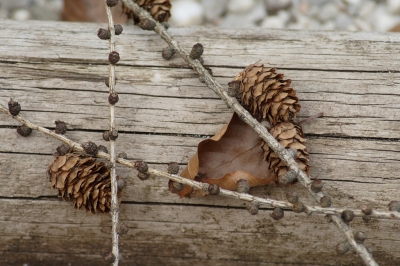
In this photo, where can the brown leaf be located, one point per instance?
(233, 153)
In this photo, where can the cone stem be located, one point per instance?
(114, 185)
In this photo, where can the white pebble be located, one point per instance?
(276, 22)
(21, 14)
(277, 5)
(240, 6)
(394, 6)
(186, 13)
(214, 9)
(327, 12)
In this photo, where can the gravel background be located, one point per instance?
(350, 15)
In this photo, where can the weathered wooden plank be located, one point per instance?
(354, 104)
(76, 42)
(24, 162)
(174, 235)
(57, 70)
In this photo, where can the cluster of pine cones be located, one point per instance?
(267, 96)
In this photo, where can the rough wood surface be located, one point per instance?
(57, 70)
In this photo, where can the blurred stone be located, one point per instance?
(186, 13)
(328, 11)
(382, 20)
(249, 19)
(343, 21)
(276, 22)
(240, 6)
(273, 6)
(394, 6)
(214, 9)
(20, 14)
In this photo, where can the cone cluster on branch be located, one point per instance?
(83, 180)
(159, 10)
(266, 95)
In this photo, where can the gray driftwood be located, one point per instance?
(57, 70)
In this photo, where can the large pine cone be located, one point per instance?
(289, 136)
(265, 94)
(159, 9)
(82, 180)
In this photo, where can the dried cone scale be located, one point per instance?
(265, 94)
(82, 180)
(289, 136)
(159, 9)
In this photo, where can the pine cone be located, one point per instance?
(265, 94)
(82, 180)
(289, 136)
(159, 9)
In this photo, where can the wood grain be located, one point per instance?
(56, 71)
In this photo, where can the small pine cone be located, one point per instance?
(265, 94)
(159, 9)
(24, 131)
(82, 180)
(61, 127)
(13, 107)
(103, 34)
(90, 148)
(118, 29)
(289, 136)
(113, 57)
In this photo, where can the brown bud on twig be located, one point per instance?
(176, 186)
(292, 197)
(347, 216)
(24, 130)
(213, 189)
(173, 168)
(118, 29)
(90, 148)
(141, 166)
(112, 3)
(277, 214)
(288, 177)
(122, 229)
(253, 207)
(359, 237)
(197, 51)
(202, 63)
(113, 98)
(143, 176)
(343, 248)
(109, 257)
(106, 135)
(147, 24)
(233, 88)
(316, 185)
(103, 34)
(298, 207)
(13, 107)
(113, 57)
(61, 127)
(243, 186)
(394, 206)
(121, 183)
(103, 149)
(165, 24)
(326, 201)
(366, 209)
(113, 134)
(122, 155)
(63, 149)
(167, 53)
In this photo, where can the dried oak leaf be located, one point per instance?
(233, 153)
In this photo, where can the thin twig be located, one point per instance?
(279, 150)
(114, 184)
(203, 186)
